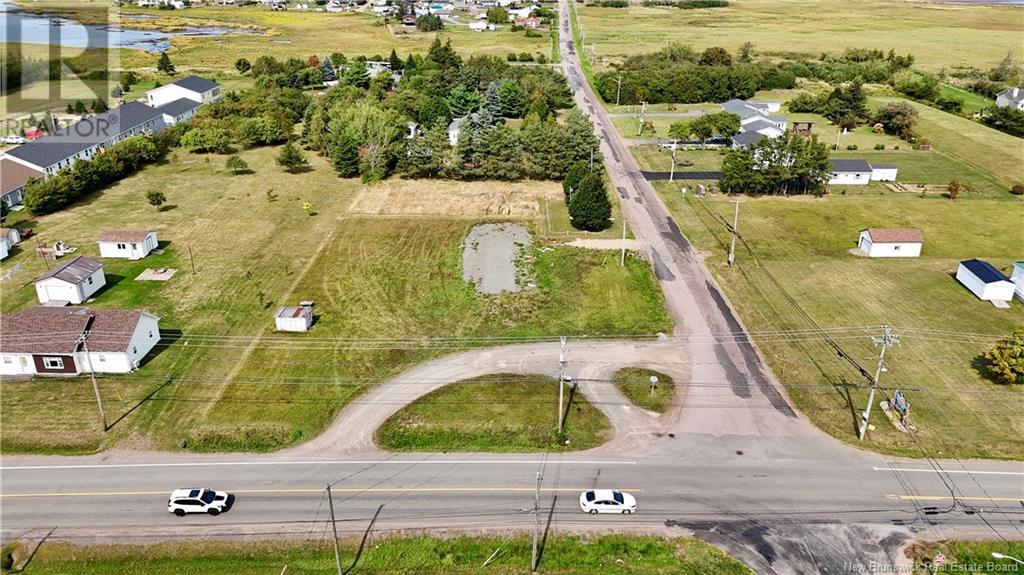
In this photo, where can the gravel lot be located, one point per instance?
(489, 256)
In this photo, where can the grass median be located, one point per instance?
(635, 384)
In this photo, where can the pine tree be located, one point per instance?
(573, 177)
(163, 64)
(545, 144)
(410, 63)
(513, 100)
(503, 155)
(345, 154)
(395, 61)
(236, 164)
(291, 158)
(582, 141)
(491, 111)
(327, 71)
(357, 75)
(590, 208)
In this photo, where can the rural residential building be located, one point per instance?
(756, 121)
(14, 176)
(1018, 280)
(884, 172)
(985, 281)
(5, 249)
(12, 235)
(294, 317)
(65, 341)
(180, 110)
(192, 88)
(860, 172)
(891, 242)
(71, 282)
(1011, 98)
(127, 244)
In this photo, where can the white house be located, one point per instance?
(127, 244)
(65, 341)
(14, 176)
(454, 128)
(481, 25)
(756, 121)
(884, 172)
(12, 236)
(849, 172)
(891, 242)
(985, 281)
(192, 88)
(5, 249)
(294, 317)
(1011, 98)
(71, 282)
(180, 110)
(1018, 280)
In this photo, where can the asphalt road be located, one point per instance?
(732, 464)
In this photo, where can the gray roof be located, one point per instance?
(781, 119)
(196, 84)
(984, 271)
(758, 125)
(73, 271)
(849, 166)
(178, 107)
(741, 109)
(747, 138)
(1013, 94)
(92, 130)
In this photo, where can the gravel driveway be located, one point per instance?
(490, 254)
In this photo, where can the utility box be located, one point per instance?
(294, 318)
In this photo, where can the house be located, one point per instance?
(530, 23)
(180, 110)
(70, 282)
(14, 176)
(294, 317)
(5, 249)
(1011, 98)
(69, 341)
(985, 281)
(744, 139)
(12, 235)
(765, 106)
(481, 25)
(409, 21)
(891, 242)
(127, 244)
(454, 128)
(756, 121)
(1018, 280)
(883, 172)
(844, 172)
(85, 139)
(193, 88)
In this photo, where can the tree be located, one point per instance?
(156, 199)
(745, 55)
(573, 177)
(503, 154)
(703, 128)
(259, 131)
(716, 56)
(435, 111)
(544, 142)
(1005, 120)
(783, 165)
(394, 61)
(846, 102)
(99, 105)
(898, 118)
(327, 71)
(291, 158)
(242, 65)
(681, 130)
(115, 92)
(954, 188)
(497, 15)
(726, 125)
(344, 152)
(581, 144)
(357, 75)
(206, 139)
(1005, 361)
(429, 23)
(463, 102)
(163, 64)
(590, 208)
(79, 107)
(236, 164)
(513, 100)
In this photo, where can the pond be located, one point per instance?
(17, 26)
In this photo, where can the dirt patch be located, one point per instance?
(598, 244)
(492, 256)
(454, 199)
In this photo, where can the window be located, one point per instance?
(150, 333)
(896, 248)
(120, 246)
(135, 246)
(90, 280)
(53, 362)
(134, 351)
(103, 358)
(8, 360)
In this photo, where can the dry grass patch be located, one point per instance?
(455, 199)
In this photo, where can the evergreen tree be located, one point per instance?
(410, 63)
(590, 208)
(395, 61)
(462, 102)
(236, 164)
(434, 112)
(581, 139)
(573, 177)
(345, 154)
(291, 158)
(327, 71)
(545, 144)
(163, 64)
(429, 155)
(357, 75)
(492, 104)
(503, 159)
(242, 65)
(99, 105)
(513, 100)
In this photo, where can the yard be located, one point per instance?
(225, 380)
(938, 34)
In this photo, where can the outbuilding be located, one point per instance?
(71, 282)
(294, 318)
(884, 172)
(891, 242)
(127, 244)
(1018, 280)
(12, 235)
(849, 172)
(985, 281)
(5, 249)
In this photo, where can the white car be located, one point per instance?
(607, 501)
(14, 139)
(198, 500)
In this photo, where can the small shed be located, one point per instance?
(891, 242)
(12, 236)
(1018, 279)
(70, 282)
(985, 281)
(5, 249)
(127, 244)
(884, 172)
(849, 172)
(294, 318)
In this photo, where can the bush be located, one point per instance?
(1005, 361)
(525, 57)
(1017, 190)
(851, 147)
(531, 33)
(429, 23)
(206, 139)
(252, 132)
(879, 146)
(512, 57)
(609, 3)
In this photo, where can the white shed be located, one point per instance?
(5, 250)
(127, 244)
(891, 242)
(985, 281)
(1018, 279)
(884, 172)
(294, 318)
(71, 282)
(12, 236)
(849, 172)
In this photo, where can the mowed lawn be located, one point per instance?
(938, 34)
(224, 378)
(505, 412)
(804, 243)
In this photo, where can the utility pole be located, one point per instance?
(887, 340)
(561, 386)
(534, 560)
(618, 90)
(735, 222)
(672, 174)
(191, 261)
(643, 108)
(334, 528)
(95, 387)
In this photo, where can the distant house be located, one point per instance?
(756, 121)
(530, 23)
(891, 242)
(1011, 98)
(70, 282)
(985, 281)
(294, 317)
(14, 176)
(480, 26)
(860, 172)
(180, 110)
(409, 21)
(454, 128)
(192, 88)
(69, 341)
(127, 244)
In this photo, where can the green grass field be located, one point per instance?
(965, 556)
(635, 384)
(563, 555)
(972, 102)
(505, 412)
(938, 34)
(245, 387)
(804, 243)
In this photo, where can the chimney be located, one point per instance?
(1016, 91)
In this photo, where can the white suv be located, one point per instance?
(196, 500)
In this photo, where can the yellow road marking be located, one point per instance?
(948, 498)
(318, 490)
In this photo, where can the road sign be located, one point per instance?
(940, 559)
